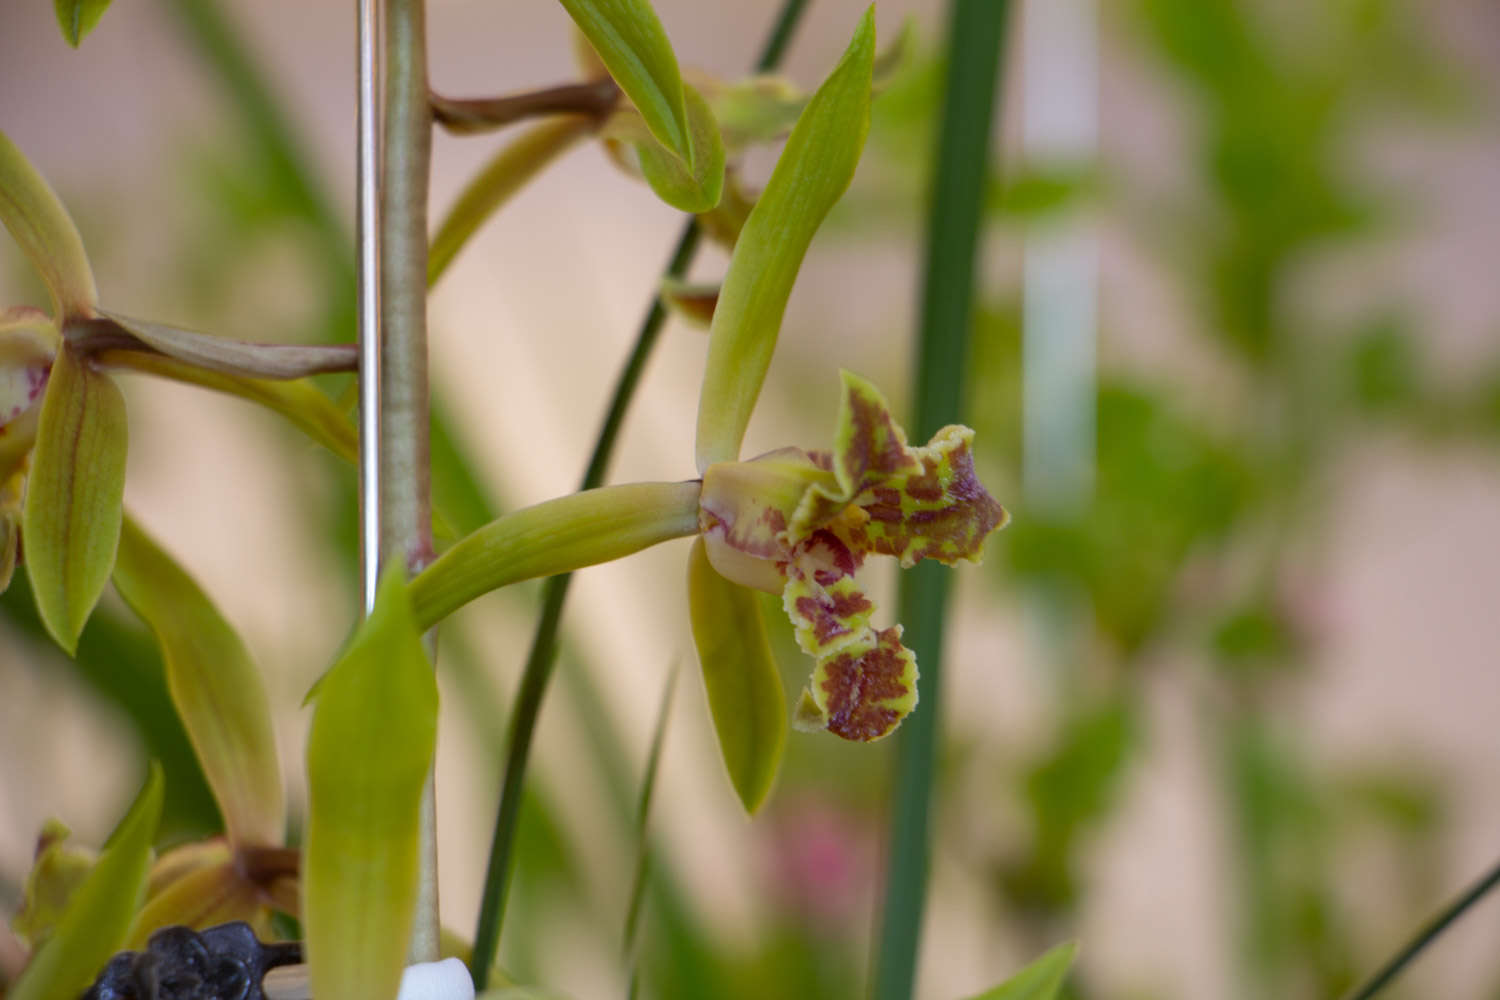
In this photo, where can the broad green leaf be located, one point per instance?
(557, 536)
(695, 184)
(368, 752)
(77, 18)
(100, 912)
(1041, 980)
(71, 523)
(501, 178)
(46, 234)
(234, 357)
(740, 675)
(216, 688)
(311, 411)
(632, 45)
(811, 175)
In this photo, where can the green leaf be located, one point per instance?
(633, 47)
(368, 754)
(1041, 980)
(77, 18)
(501, 178)
(100, 912)
(741, 677)
(695, 184)
(71, 523)
(811, 175)
(216, 688)
(557, 536)
(45, 232)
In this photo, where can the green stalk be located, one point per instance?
(543, 655)
(1429, 933)
(976, 35)
(405, 432)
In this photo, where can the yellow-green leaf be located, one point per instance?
(696, 183)
(502, 177)
(216, 689)
(46, 234)
(100, 912)
(811, 175)
(632, 45)
(740, 675)
(77, 18)
(368, 752)
(1041, 980)
(71, 523)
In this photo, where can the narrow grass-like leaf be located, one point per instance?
(45, 232)
(217, 689)
(309, 410)
(1041, 980)
(557, 536)
(236, 357)
(811, 175)
(740, 675)
(501, 178)
(101, 910)
(632, 45)
(694, 184)
(71, 523)
(369, 749)
(77, 18)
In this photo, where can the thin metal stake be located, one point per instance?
(367, 233)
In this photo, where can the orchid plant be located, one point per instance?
(795, 522)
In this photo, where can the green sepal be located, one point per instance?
(45, 233)
(629, 40)
(740, 676)
(1041, 980)
(77, 18)
(369, 749)
(695, 183)
(277, 362)
(71, 523)
(100, 912)
(217, 690)
(811, 175)
(59, 869)
(205, 897)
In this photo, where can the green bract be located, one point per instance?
(368, 753)
(99, 913)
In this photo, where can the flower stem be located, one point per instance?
(405, 471)
(976, 36)
(543, 654)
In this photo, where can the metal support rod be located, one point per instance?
(367, 233)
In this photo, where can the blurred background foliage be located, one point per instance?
(1195, 562)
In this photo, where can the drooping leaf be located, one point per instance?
(557, 536)
(216, 688)
(77, 18)
(71, 523)
(809, 178)
(501, 178)
(1041, 980)
(100, 912)
(694, 184)
(369, 749)
(237, 357)
(740, 676)
(629, 40)
(45, 232)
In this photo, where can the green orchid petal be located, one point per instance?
(219, 354)
(77, 18)
(205, 897)
(217, 690)
(100, 911)
(740, 676)
(810, 176)
(71, 523)
(692, 184)
(57, 872)
(368, 753)
(46, 234)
